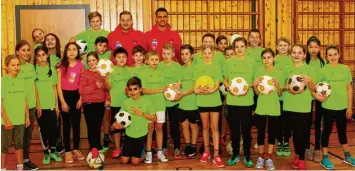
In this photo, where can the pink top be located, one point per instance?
(70, 81)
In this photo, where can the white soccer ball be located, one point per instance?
(267, 85)
(222, 89)
(323, 88)
(171, 92)
(238, 86)
(83, 46)
(123, 118)
(233, 37)
(296, 84)
(105, 67)
(95, 162)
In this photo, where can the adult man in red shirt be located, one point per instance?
(125, 36)
(161, 34)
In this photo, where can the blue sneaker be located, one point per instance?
(233, 160)
(350, 161)
(327, 164)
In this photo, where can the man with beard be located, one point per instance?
(125, 36)
(161, 34)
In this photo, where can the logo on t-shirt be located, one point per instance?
(154, 44)
(118, 44)
(135, 42)
(171, 41)
(72, 77)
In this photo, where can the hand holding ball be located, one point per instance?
(238, 86)
(266, 85)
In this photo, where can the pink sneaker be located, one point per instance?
(116, 153)
(205, 156)
(295, 162)
(217, 161)
(302, 165)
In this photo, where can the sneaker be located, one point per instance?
(350, 161)
(46, 159)
(78, 155)
(256, 146)
(217, 161)
(233, 160)
(55, 157)
(269, 164)
(286, 149)
(148, 158)
(68, 158)
(193, 151)
(162, 158)
(327, 164)
(302, 165)
(186, 150)
(177, 153)
(116, 153)
(316, 156)
(205, 156)
(295, 162)
(29, 166)
(279, 149)
(104, 149)
(308, 155)
(248, 162)
(259, 163)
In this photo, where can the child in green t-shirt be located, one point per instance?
(282, 62)
(153, 88)
(101, 49)
(221, 42)
(46, 83)
(209, 103)
(338, 106)
(229, 52)
(52, 43)
(117, 80)
(14, 111)
(254, 49)
(138, 67)
(268, 108)
(142, 111)
(188, 115)
(38, 36)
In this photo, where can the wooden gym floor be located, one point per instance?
(283, 163)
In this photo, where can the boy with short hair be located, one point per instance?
(139, 65)
(101, 49)
(229, 52)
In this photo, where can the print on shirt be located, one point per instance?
(154, 44)
(72, 77)
(118, 44)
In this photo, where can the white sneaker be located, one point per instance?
(148, 158)
(162, 158)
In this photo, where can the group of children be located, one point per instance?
(57, 86)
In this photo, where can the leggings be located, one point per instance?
(299, 126)
(317, 125)
(48, 126)
(284, 130)
(340, 119)
(272, 124)
(174, 125)
(94, 114)
(240, 117)
(27, 136)
(71, 119)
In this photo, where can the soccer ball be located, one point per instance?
(204, 82)
(95, 162)
(233, 37)
(123, 118)
(238, 86)
(323, 88)
(83, 46)
(296, 84)
(171, 92)
(266, 86)
(105, 67)
(222, 89)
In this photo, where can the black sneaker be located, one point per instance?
(192, 151)
(186, 150)
(29, 166)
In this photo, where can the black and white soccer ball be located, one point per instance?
(123, 118)
(296, 84)
(323, 88)
(83, 46)
(95, 162)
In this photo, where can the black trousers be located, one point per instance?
(272, 124)
(284, 129)
(71, 119)
(48, 127)
(174, 123)
(94, 114)
(317, 125)
(240, 117)
(340, 119)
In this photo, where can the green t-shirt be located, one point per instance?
(299, 102)
(218, 59)
(154, 79)
(171, 75)
(13, 93)
(118, 79)
(213, 71)
(236, 67)
(139, 124)
(105, 56)
(282, 62)
(317, 65)
(28, 73)
(255, 54)
(187, 83)
(54, 60)
(90, 36)
(138, 71)
(269, 104)
(338, 77)
(45, 85)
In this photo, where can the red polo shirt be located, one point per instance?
(156, 38)
(127, 40)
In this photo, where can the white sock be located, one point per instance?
(26, 160)
(160, 153)
(19, 166)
